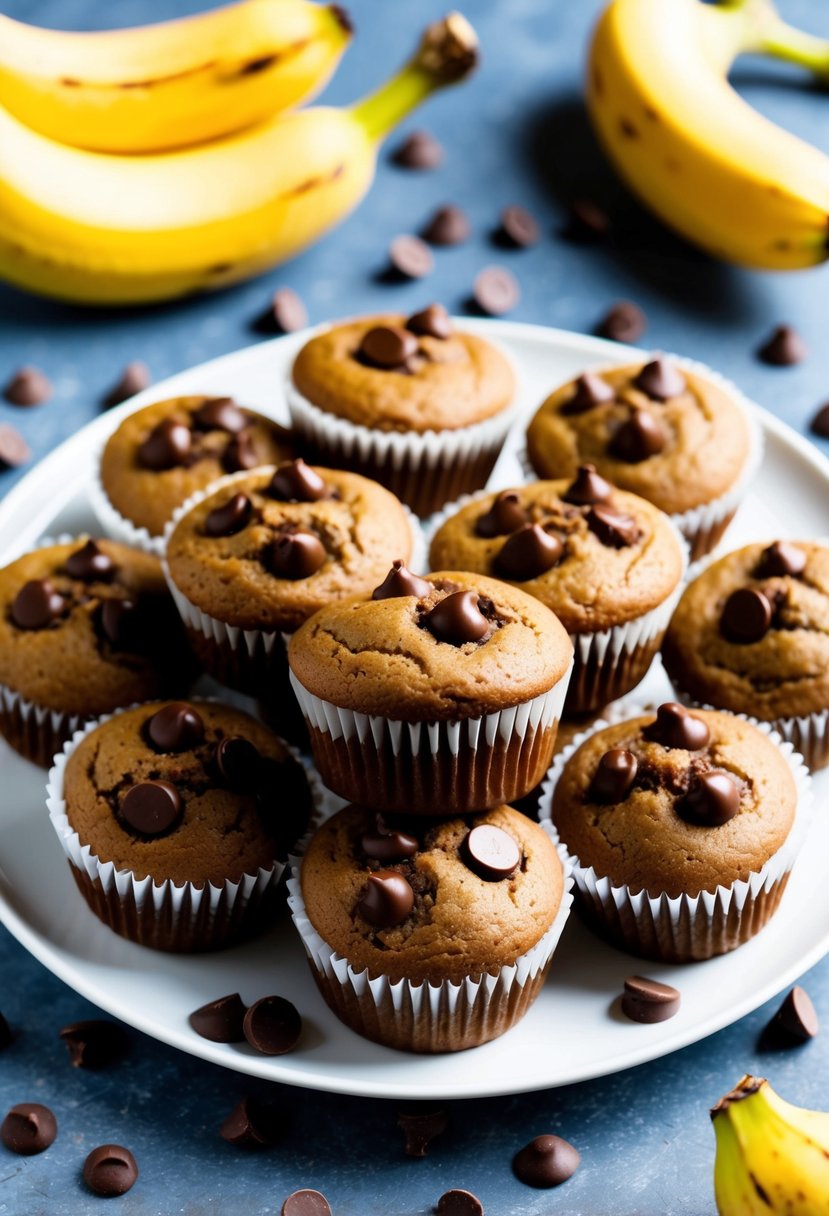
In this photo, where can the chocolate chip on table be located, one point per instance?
(220, 414)
(254, 1124)
(490, 852)
(151, 807)
(783, 348)
(28, 1128)
(448, 226)
(221, 1020)
(28, 386)
(230, 517)
(431, 322)
(506, 515)
(296, 481)
(676, 727)
(527, 553)
(238, 761)
(613, 528)
(519, 227)
(587, 488)
(820, 423)
(459, 1203)
(399, 582)
(591, 390)
(306, 1203)
(546, 1161)
(288, 312)
(614, 776)
(624, 322)
(37, 604)
(388, 844)
(14, 450)
(388, 347)
(166, 447)
(386, 900)
(746, 616)
(419, 150)
(660, 379)
(639, 438)
(712, 799)
(411, 257)
(95, 1043)
(90, 564)
(495, 291)
(648, 1001)
(588, 221)
(240, 454)
(421, 1128)
(176, 727)
(794, 1023)
(781, 559)
(272, 1025)
(133, 379)
(110, 1170)
(457, 619)
(295, 555)
(5, 1033)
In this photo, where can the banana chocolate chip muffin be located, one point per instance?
(437, 696)
(751, 634)
(414, 402)
(681, 828)
(668, 433)
(176, 819)
(471, 906)
(607, 563)
(86, 626)
(165, 452)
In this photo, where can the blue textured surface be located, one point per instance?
(516, 133)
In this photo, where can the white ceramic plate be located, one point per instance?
(571, 1033)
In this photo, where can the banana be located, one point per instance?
(690, 147)
(100, 229)
(771, 1157)
(181, 82)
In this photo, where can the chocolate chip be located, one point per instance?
(588, 221)
(624, 322)
(287, 312)
(591, 390)
(519, 227)
(272, 1025)
(121, 621)
(780, 560)
(90, 564)
(28, 386)
(387, 347)
(295, 555)
(229, 518)
(306, 1203)
(254, 1124)
(587, 488)
(176, 727)
(495, 291)
(28, 1128)
(546, 1161)
(674, 726)
(711, 801)
(238, 762)
(746, 616)
(457, 619)
(490, 852)
(528, 553)
(239, 454)
(37, 604)
(794, 1023)
(221, 1020)
(420, 150)
(820, 423)
(95, 1043)
(296, 481)
(151, 807)
(388, 844)
(432, 322)
(612, 528)
(459, 1203)
(399, 582)
(110, 1170)
(660, 379)
(504, 516)
(639, 438)
(448, 226)
(387, 899)
(5, 1034)
(411, 257)
(783, 348)
(166, 447)
(421, 1128)
(14, 450)
(133, 379)
(648, 1001)
(614, 777)
(220, 414)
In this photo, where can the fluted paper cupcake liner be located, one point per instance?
(33, 730)
(426, 1017)
(181, 918)
(685, 928)
(115, 525)
(433, 768)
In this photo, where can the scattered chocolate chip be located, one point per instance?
(624, 322)
(648, 1001)
(675, 726)
(166, 447)
(388, 347)
(272, 1025)
(820, 423)
(287, 312)
(794, 1023)
(432, 322)
(495, 291)
(133, 379)
(221, 1020)
(780, 560)
(151, 807)
(36, 605)
(587, 488)
(5, 1033)
(95, 1043)
(591, 390)
(387, 899)
(614, 776)
(90, 564)
(746, 616)
(306, 1203)
(612, 528)
(448, 226)
(546, 1161)
(28, 386)
(411, 257)
(176, 727)
(421, 1128)
(399, 582)
(490, 852)
(504, 516)
(783, 348)
(295, 555)
(110, 1170)
(528, 553)
(238, 761)
(28, 1128)
(296, 481)
(254, 1124)
(660, 379)
(457, 619)
(220, 414)
(229, 518)
(388, 844)
(14, 450)
(639, 438)
(240, 454)
(420, 150)
(121, 623)
(459, 1203)
(519, 227)
(711, 801)
(588, 221)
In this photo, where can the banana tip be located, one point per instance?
(343, 16)
(744, 1088)
(449, 49)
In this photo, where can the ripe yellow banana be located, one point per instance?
(169, 85)
(698, 155)
(101, 229)
(771, 1157)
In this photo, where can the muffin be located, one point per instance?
(162, 454)
(437, 696)
(682, 828)
(176, 819)
(412, 402)
(430, 936)
(751, 634)
(85, 627)
(672, 433)
(607, 563)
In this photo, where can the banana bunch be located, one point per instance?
(229, 180)
(690, 147)
(771, 1157)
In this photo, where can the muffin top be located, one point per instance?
(595, 555)
(667, 434)
(449, 646)
(87, 626)
(162, 454)
(191, 792)
(751, 633)
(431, 901)
(677, 802)
(265, 550)
(397, 374)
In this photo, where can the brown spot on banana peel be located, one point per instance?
(312, 183)
(761, 1194)
(253, 66)
(651, 114)
(628, 129)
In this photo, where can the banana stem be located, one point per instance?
(764, 32)
(447, 53)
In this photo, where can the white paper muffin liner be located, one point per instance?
(115, 525)
(165, 915)
(686, 928)
(423, 1016)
